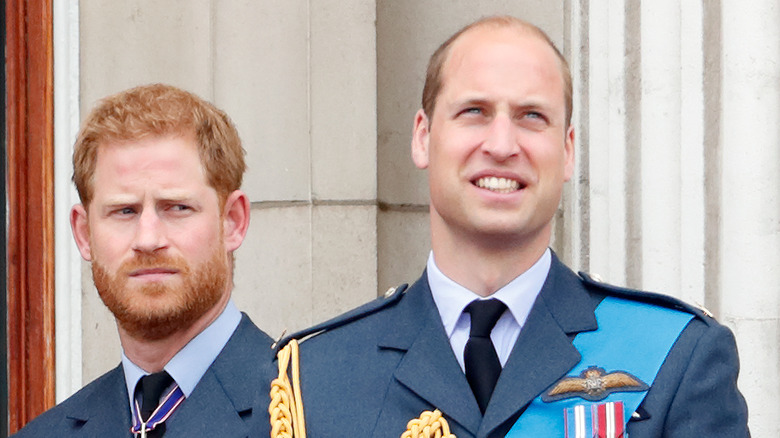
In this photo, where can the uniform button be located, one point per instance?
(704, 309)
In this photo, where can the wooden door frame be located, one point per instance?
(30, 193)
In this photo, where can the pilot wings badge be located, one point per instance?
(594, 384)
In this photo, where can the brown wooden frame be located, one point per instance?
(30, 143)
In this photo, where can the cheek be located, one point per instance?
(198, 241)
(550, 159)
(108, 244)
(449, 156)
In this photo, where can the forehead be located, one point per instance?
(152, 160)
(147, 148)
(508, 54)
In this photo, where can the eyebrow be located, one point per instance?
(114, 200)
(529, 102)
(471, 101)
(171, 196)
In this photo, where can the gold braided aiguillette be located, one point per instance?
(429, 425)
(286, 407)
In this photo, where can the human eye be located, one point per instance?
(179, 209)
(472, 112)
(534, 115)
(123, 211)
(534, 119)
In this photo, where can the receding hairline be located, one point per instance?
(439, 60)
(500, 22)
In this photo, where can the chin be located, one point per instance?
(506, 233)
(153, 310)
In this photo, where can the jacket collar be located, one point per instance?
(542, 354)
(231, 389)
(227, 392)
(101, 408)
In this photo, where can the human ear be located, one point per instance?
(235, 220)
(420, 140)
(79, 224)
(569, 154)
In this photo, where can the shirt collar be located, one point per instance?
(191, 362)
(518, 295)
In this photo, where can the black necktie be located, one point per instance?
(482, 364)
(152, 387)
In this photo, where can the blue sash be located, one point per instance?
(632, 337)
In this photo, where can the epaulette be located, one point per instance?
(594, 281)
(389, 298)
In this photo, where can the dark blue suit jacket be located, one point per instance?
(373, 369)
(229, 400)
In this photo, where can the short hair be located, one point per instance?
(433, 76)
(159, 110)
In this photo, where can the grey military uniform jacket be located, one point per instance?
(371, 370)
(229, 400)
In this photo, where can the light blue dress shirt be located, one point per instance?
(191, 362)
(518, 296)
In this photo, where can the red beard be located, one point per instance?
(155, 310)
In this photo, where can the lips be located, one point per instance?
(153, 272)
(498, 184)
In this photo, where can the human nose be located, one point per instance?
(149, 236)
(501, 142)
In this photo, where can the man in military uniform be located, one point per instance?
(159, 171)
(498, 335)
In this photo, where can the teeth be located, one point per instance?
(500, 185)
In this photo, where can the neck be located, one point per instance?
(153, 355)
(484, 266)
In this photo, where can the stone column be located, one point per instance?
(678, 175)
(748, 272)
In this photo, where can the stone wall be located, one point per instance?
(677, 187)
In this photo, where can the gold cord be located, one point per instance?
(286, 408)
(429, 425)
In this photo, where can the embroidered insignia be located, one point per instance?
(594, 384)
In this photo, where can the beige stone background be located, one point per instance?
(678, 177)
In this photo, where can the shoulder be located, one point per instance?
(246, 358)
(368, 313)
(595, 285)
(247, 333)
(703, 333)
(702, 360)
(74, 411)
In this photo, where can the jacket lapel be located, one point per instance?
(428, 367)
(209, 407)
(543, 352)
(105, 410)
(541, 356)
(225, 401)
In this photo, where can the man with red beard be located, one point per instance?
(158, 171)
(497, 337)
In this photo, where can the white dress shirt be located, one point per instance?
(191, 362)
(518, 296)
